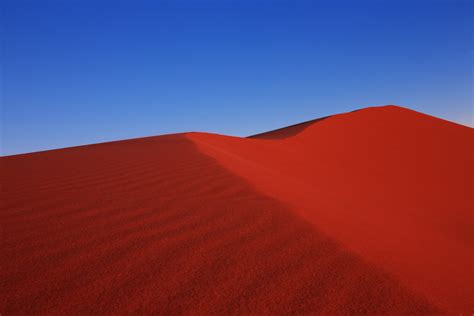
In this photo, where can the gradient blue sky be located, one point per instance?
(85, 71)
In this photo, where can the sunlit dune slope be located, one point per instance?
(393, 185)
(367, 212)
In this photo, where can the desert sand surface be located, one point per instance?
(363, 213)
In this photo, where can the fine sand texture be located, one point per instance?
(363, 213)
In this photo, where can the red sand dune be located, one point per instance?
(368, 212)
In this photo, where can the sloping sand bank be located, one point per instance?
(368, 212)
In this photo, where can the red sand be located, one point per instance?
(369, 212)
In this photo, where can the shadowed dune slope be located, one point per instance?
(287, 131)
(154, 226)
(392, 185)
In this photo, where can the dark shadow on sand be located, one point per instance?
(288, 131)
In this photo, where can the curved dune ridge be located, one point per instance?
(368, 212)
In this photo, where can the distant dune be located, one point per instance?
(361, 213)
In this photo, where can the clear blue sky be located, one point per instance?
(84, 71)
